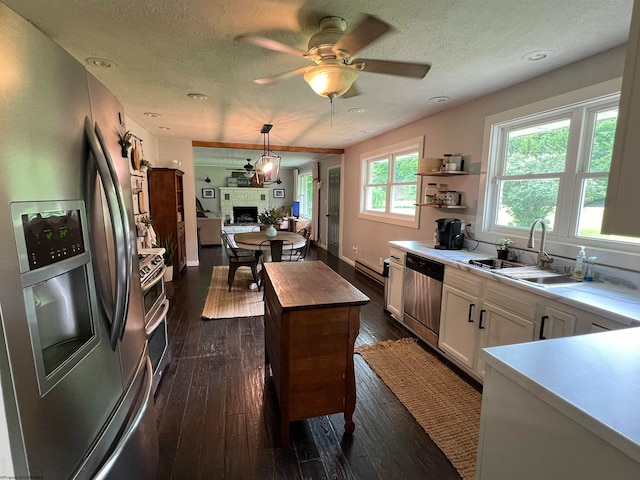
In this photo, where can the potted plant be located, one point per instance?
(169, 250)
(145, 165)
(143, 225)
(271, 216)
(502, 246)
(124, 140)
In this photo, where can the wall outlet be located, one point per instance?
(381, 260)
(355, 249)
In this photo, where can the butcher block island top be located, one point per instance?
(312, 319)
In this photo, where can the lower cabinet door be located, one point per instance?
(500, 327)
(556, 323)
(396, 283)
(458, 325)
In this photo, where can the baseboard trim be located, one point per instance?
(369, 272)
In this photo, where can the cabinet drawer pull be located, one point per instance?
(482, 312)
(471, 305)
(543, 319)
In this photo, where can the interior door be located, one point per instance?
(333, 215)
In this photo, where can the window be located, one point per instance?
(305, 194)
(390, 186)
(553, 165)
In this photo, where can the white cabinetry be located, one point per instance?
(396, 283)
(458, 318)
(556, 322)
(479, 313)
(622, 193)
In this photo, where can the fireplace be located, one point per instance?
(245, 214)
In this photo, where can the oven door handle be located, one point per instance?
(159, 318)
(158, 277)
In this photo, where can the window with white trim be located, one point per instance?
(554, 165)
(305, 194)
(390, 186)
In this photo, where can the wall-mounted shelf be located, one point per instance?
(435, 205)
(442, 174)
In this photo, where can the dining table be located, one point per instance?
(277, 244)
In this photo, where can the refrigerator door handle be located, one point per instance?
(123, 284)
(122, 258)
(104, 472)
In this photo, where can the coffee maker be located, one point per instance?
(449, 234)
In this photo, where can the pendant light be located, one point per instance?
(268, 165)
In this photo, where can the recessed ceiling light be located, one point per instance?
(366, 131)
(536, 55)
(152, 114)
(164, 128)
(356, 110)
(440, 99)
(197, 96)
(101, 62)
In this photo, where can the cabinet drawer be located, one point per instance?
(512, 299)
(463, 281)
(396, 255)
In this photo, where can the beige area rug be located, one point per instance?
(443, 404)
(239, 302)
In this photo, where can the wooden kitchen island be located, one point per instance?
(312, 319)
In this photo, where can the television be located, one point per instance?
(296, 209)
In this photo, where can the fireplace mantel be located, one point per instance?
(242, 197)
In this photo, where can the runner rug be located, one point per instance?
(241, 301)
(444, 405)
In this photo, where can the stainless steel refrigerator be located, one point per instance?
(75, 378)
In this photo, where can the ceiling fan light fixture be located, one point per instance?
(330, 80)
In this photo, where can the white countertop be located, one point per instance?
(610, 301)
(593, 379)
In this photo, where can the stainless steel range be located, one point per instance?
(156, 306)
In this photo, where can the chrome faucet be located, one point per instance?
(544, 260)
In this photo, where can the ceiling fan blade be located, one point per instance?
(401, 69)
(270, 44)
(281, 76)
(352, 92)
(364, 33)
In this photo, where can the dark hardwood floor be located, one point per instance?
(217, 418)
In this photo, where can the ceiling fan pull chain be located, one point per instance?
(331, 101)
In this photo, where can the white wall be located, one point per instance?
(458, 130)
(149, 142)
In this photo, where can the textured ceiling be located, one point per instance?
(165, 49)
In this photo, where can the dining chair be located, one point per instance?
(239, 257)
(278, 249)
(300, 253)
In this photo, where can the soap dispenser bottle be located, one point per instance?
(578, 269)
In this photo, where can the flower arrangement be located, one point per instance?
(271, 216)
(504, 244)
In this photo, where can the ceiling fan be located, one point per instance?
(334, 53)
(248, 169)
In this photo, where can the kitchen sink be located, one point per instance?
(495, 263)
(550, 280)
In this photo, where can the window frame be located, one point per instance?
(390, 153)
(563, 240)
(301, 194)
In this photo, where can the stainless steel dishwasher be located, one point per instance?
(422, 297)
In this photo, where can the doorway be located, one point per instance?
(333, 212)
